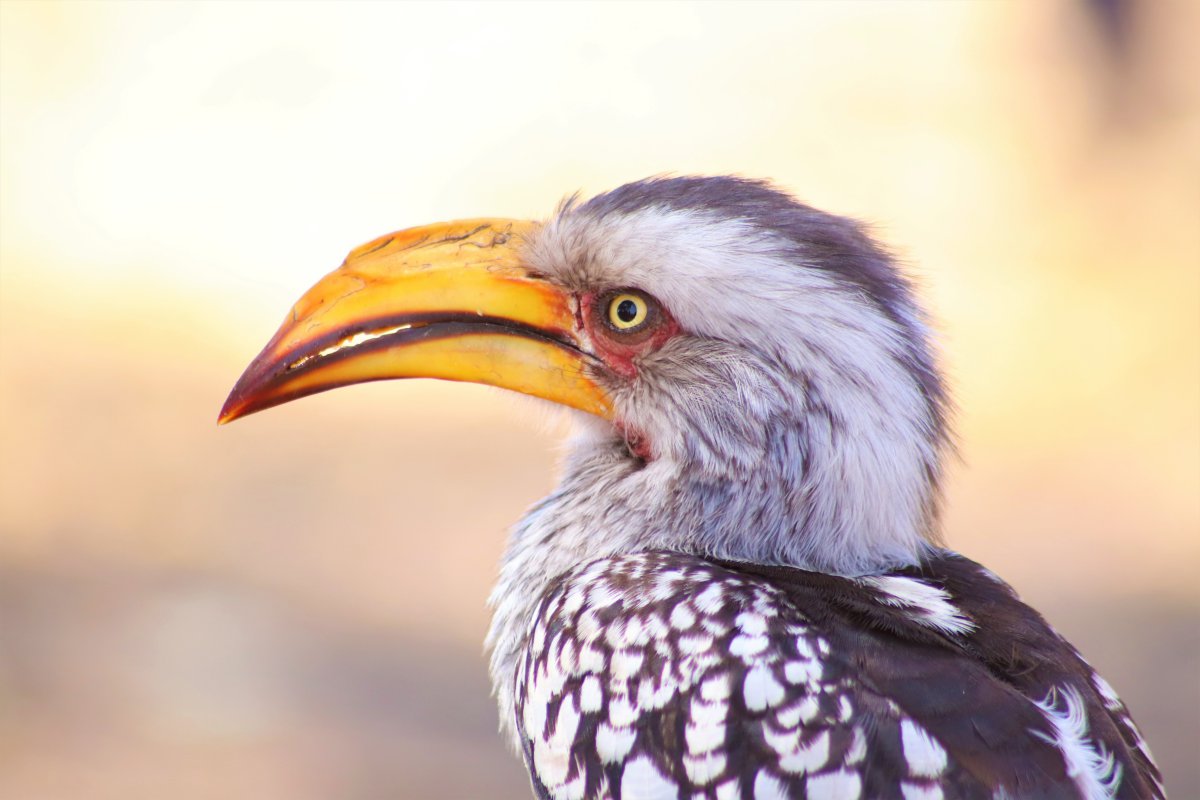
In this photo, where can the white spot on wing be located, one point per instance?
(802, 671)
(715, 687)
(635, 632)
(621, 712)
(591, 696)
(591, 660)
(743, 646)
(845, 709)
(729, 790)
(703, 738)
(709, 601)
(552, 757)
(925, 757)
(566, 657)
(534, 716)
(613, 744)
(803, 711)
(804, 648)
(566, 724)
(652, 696)
(808, 758)
(573, 601)
(858, 748)
(1111, 701)
(588, 625)
(751, 623)
(682, 617)
(708, 713)
(761, 689)
(656, 628)
(930, 605)
(614, 634)
(572, 789)
(602, 595)
(626, 663)
(768, 787)
(840, 785)
(695, 643)
(1089, 765)
(641, 780)
(550, 764)
(704, 769)
(665, 585)
(782, 742)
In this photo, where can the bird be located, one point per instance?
(739, 586)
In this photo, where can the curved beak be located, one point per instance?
(447, 301)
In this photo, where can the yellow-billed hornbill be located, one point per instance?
(736, 590)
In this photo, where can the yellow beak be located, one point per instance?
(447, 301)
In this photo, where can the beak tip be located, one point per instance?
(228, 413)
(236, 405)
(244, 398)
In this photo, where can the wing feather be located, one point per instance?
(662, 675)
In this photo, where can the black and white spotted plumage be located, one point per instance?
(658, 675)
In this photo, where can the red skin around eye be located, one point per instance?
(620, 351)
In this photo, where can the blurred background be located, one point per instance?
(293, 606)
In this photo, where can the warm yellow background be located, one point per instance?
(292, 607)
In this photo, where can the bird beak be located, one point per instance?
(447, 301)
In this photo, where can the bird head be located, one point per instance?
(752, 377)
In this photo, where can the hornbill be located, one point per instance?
(737, 589)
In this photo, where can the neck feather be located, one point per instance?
(778, 508)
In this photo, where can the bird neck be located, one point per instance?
(610, 502)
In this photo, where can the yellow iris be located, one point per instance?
(627, 311)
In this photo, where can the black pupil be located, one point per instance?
(627, 311)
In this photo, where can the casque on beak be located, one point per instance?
(447, 301)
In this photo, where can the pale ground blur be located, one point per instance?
(293, 606)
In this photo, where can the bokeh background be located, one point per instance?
(293, 606)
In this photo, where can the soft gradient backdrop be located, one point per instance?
(293, 606)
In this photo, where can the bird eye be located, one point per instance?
(627, 312)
